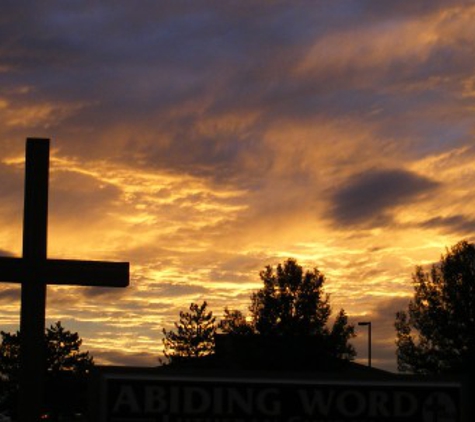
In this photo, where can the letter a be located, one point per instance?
(126, 401)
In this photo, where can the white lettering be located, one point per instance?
(218, 401)
(155, 399)
(351, 403)
(405, 404)
(196, 400)
(174, 401)
(317, 404)
(378, 404)
(266, 405)
(126, 399)
(237, 402)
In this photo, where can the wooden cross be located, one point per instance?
(34, 271)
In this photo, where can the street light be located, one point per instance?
(368, 323)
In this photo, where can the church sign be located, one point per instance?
(174, 398)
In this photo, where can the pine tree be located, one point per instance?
(194, 335)
(62, 352)
(65, 366)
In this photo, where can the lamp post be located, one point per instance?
(368, 323)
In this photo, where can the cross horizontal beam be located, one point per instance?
(65, 272)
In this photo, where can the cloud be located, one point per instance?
(11, 205)
(9, 295)
(79, 196)
(11, 188)
(116, 357)
(170, 290)
(370, 197)
(202, 141)
(134, 95)
(104, 293)
(456, 223)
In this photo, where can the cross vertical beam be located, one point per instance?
(33, 294)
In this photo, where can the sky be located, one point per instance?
(202, 141)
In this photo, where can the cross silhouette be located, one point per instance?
(34, 271)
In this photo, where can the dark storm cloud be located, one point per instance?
(160, 59)
(219, 58)
(105, 293)
(9, 295)
(179, 46)
(141, 68)
(372, 10)
(369, 197)
(177, 290)
(461, 224)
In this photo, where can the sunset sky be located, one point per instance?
(204, 140)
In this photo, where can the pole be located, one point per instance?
(369, 344)
(368, 324)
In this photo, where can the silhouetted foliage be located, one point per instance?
(62, 352)
(339, 337)
(9, 367)
(194, 335)
(9, 355)
(436, 334)
(234, 322)
(64, 361)
(293, 303)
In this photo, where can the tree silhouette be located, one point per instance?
(62, 352)
(9, 356)
(194, 335)
(292, 303)
(234, 322)
(436, 334)
(66, 366)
